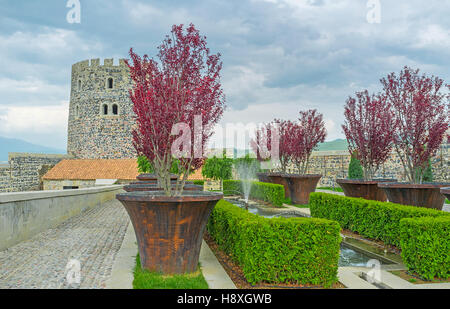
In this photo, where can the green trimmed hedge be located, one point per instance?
(199, 182)
(425, 244)
(278, 250)
(268, 192)
(232, 187)
(372, 219)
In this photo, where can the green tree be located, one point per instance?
(428, 174)
(247, 166)
(355, 170)
(218, 169)
(144, 166)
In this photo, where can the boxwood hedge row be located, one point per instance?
(279, 250)
(372, 219)
(423, 234)
(425, 244)
(268, 192)
(198, 182)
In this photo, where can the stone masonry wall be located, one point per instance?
(91, 134)
(334, 165)
(5, 178)
(25, 171)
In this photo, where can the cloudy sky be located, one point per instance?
(280, 56)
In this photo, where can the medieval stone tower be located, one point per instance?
(101, 113)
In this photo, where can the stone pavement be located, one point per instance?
(92, 238)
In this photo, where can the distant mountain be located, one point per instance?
(16, 145)
(338, 144)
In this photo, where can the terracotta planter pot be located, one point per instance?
(169, 230)
(152, 177)
(446, 192)
(278, 178)
(368, 190)
(263, 177)
(425, 195)
(154, 187)
(301, 186)
(152, 182)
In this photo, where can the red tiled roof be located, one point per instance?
(197, 175)
(124, 169)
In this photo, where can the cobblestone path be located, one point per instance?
(92, 238)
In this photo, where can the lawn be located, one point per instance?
(144, 279)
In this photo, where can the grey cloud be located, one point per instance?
(296, 53)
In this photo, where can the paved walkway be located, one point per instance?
(93, 238)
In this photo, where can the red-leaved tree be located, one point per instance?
(421, 116)
(179, 93)
(285, 128)
(261, 143)
(305, 135)
(266, 137)
(296, 139)
(369, 128)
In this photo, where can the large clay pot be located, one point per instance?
(368, 190)
(151, 182)
(142, 186)
(169, 230)
(446, 192)
(277, 178)
(263, 177)
(153, 178)
(424, 195)
(301, 186)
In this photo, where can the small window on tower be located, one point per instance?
(105, 109)
(110, 83)
(115, 109)
(79, 85)
(77, 111)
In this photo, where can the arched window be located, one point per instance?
(105, 109)
(79, 84)
(110, 83)
(115, 109)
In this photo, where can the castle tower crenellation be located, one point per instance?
(101, 115)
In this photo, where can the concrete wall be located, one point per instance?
(23, 215)
(81, 184)
(60, 184)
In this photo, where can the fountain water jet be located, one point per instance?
(246, 169)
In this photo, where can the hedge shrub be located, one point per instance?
(268, 192)
(372, 219)
(232, 187)
(199, 182)
(425, 244)
(278, 250)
